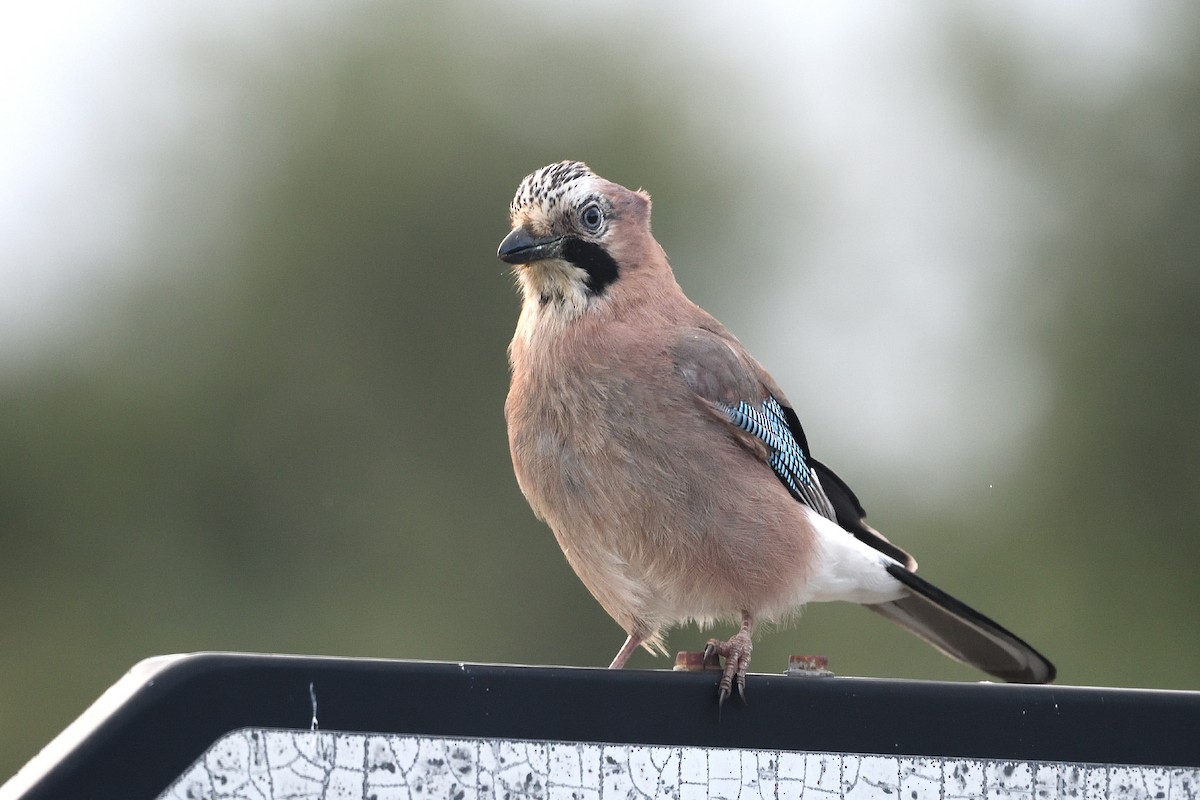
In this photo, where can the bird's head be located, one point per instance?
(575, 235)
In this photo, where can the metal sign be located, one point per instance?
(265, 727)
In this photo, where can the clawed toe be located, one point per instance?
(736, 652)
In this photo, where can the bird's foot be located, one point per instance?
(736, 652)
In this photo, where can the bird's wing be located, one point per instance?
(739, 390)
(850, 514)
(732, 386)
(741, 394)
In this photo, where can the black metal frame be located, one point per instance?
(169, 719)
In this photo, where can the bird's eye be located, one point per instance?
(591, 217)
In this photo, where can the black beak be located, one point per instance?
(521, 248)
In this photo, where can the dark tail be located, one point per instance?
(963, 633)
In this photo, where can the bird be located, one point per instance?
(670, 466)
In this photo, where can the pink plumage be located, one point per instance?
(669, 464)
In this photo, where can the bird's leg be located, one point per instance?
(736, 652)
(625, 652)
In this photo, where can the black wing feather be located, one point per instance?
(848, 511)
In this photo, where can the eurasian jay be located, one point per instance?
(670, 466)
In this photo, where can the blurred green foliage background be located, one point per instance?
(253, 357)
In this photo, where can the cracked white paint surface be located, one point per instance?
(260, 764)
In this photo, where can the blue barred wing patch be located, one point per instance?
(767, 423)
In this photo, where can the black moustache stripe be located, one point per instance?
(601, 268)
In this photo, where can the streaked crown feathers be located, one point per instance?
(546, 186)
